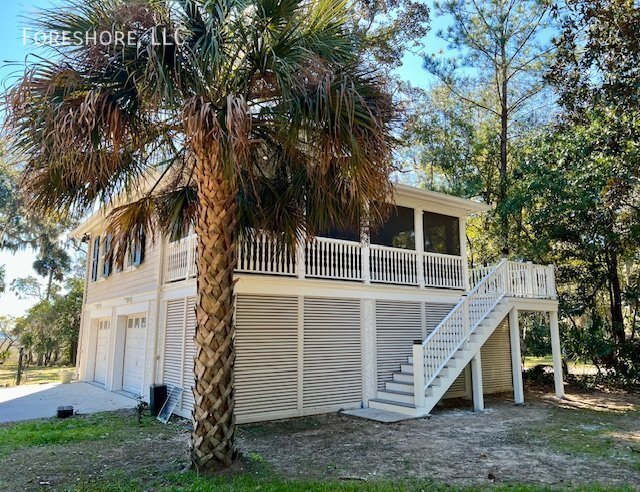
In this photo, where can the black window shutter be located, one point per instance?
(108, 257)
(139, 247)
(95, 259)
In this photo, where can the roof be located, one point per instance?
(468, 206)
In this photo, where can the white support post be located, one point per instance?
(418, 374)
(300, 259)
(551, 281)
(365, 253)
(462, 221)
(506, 278)
(476, 381)
(419, 240)
(516, 357)
(557, 355)
(529, 279)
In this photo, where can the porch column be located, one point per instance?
(557, 355)
(365, 252)
(300, 259)
(462, 221)
(516, 357)
(419, 239)
(476, 382)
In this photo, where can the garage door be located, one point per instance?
(102, 351)
(133, 370)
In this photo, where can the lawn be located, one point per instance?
(590, 441)
(30, 375)
(575, 368)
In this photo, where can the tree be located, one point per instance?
(8, 337)
(591, 159)
(498, 70)
(27, 288)
(230, 115)
(50, 328)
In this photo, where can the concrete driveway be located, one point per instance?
(36, 401)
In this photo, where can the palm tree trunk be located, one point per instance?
(212, 442)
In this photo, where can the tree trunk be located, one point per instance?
(212, 442)
(504, 128)
(49, 284)
(73, 351)
(617, 316)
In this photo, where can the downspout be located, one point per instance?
(156, 356)
(81, 336)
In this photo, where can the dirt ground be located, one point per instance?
(587, 438)
(503, 444)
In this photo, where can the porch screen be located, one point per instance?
(398, 231)
(441, 234)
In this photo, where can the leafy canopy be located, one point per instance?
(276, 89)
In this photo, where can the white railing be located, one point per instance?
(454, 330)
(263, 253)
(530, 280)
(478, 273)
(327, 258)
(180, 259)
(333, 258)
(525, 279)
(490, 285)
(393, 265)
(444, 271)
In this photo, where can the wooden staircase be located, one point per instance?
(399, 394)
(444, 354)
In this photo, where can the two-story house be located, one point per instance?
(395, 321)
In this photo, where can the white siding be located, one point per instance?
(266, 355)
(130, 282)
(332, 353)
(173, 342)
(189, 355)
(496, 361)
(398, 324)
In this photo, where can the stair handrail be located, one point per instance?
(463, 319)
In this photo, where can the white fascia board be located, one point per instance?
(428, 198)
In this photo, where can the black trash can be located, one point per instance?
(157, 397)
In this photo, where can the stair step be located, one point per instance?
(436, 382)
(398, 386)
(408, 368)
(396, 396)
(402, 377)
(391, 406)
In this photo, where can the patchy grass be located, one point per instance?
(247, 482)
(31, 375)
(610, 433)
(107, 426)
(506, 448)
(575, 368)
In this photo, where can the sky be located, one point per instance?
(13, 50)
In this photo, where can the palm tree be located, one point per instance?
(227, 115)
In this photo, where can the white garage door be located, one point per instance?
(133, 370)
(102, 351)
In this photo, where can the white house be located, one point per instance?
(339, 323)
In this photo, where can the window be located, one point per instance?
(441, 233)
(107, 257)
(398, 231)
(137, 247)
(348, 233)
(95, 259)
(134, 256)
